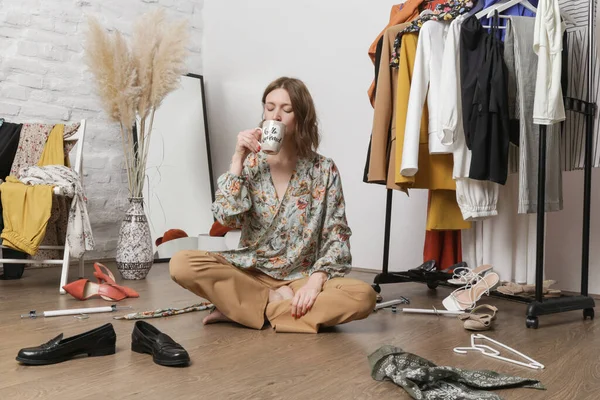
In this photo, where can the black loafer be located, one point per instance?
(97, 342)
(145, 338)
(444, 274)
(421, 270)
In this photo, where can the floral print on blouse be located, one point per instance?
(442, 12)
(305, 232)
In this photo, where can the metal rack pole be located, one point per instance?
(587, 182)
(385, 276)
(387, 232)
(541, 217)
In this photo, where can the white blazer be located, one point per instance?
(425, 83)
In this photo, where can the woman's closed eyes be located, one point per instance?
(287, 109)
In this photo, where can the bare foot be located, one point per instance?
(215, 316)
(286, 292)
(274, 296)
(283, 293)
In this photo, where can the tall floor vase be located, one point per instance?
(134, 248)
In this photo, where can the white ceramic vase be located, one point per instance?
(134, 248)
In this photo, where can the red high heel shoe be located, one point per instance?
(83, 289)
(109, 278)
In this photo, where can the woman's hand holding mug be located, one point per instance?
(247, 141)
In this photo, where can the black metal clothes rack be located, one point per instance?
(395, 277)
(539, 306)
(583, 301)
(385, 276)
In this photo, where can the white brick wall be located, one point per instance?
(43, 79)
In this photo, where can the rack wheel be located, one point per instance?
(532, 322)
(376, 287)
(588, 313)
(432, 284)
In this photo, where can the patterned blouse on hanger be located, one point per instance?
(442, 12)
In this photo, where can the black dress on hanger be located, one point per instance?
(485, 101)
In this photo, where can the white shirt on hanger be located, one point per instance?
(548, 105)
(425, 83)
(450, 111)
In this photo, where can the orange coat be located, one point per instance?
(400, 13)
(382, 159)
(410, 10)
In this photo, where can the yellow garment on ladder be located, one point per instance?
(26, 209)
(54, 151)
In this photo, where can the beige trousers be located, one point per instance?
(243, 295)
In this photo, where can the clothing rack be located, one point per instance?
(539, 306)
(583, 301)
(385, 276)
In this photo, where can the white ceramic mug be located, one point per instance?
(273, 133)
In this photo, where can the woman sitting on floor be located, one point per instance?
(295, 248)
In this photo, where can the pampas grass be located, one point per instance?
(132, 81)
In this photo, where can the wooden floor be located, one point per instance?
(232, 362)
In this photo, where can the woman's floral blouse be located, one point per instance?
(306, 232)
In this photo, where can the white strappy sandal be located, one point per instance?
(464, 276)
(466, 297)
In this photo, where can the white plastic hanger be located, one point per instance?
(498, 27)
(491, 352)
(489, 12)
(509, 4)
(502, 7)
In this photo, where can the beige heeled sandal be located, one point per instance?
(515, 289)
(479, 322)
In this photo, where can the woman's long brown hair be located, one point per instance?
(307, 135)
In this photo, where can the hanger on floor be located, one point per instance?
(493, 353)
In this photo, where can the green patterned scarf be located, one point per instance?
(422, 379)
